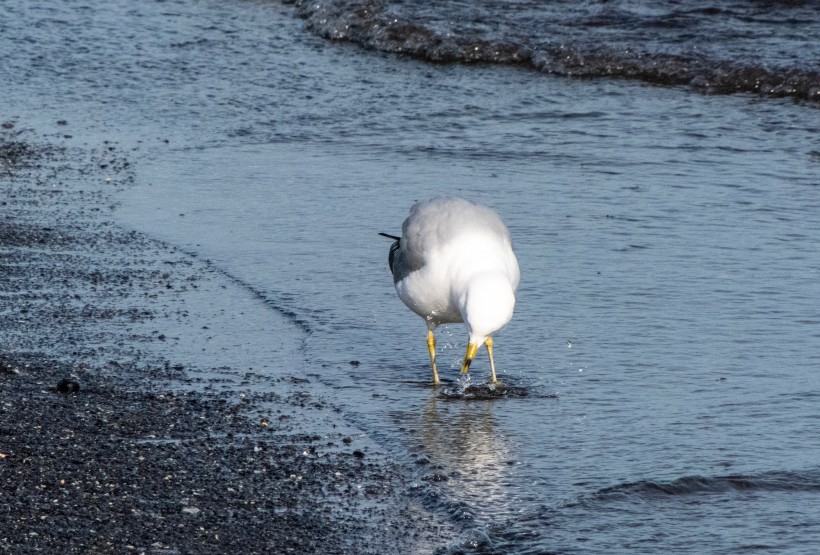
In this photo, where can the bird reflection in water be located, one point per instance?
(467, 451)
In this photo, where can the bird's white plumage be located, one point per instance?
(455, 263)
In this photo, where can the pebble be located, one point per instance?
(68, 387)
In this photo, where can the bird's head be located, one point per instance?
(487, 305)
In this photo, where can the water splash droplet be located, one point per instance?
(464, 381)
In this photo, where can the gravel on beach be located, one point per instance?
(107, 444)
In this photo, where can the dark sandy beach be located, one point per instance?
(108, 446)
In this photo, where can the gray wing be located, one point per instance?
(400, 264)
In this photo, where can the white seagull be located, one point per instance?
(454, 263)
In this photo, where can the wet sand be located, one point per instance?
(108, 444)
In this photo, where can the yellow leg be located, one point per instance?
(431, 347)
(489, 344)
(472, 349)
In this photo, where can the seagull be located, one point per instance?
(455, 263)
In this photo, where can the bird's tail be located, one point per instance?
(394, 248)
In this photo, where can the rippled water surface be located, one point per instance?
(664, 352)
(716, 46)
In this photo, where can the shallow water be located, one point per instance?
(666, 332)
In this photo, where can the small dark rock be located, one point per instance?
(68, 387)
(62, 122)
(354, 363)
(358, 454)
(347, 441)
